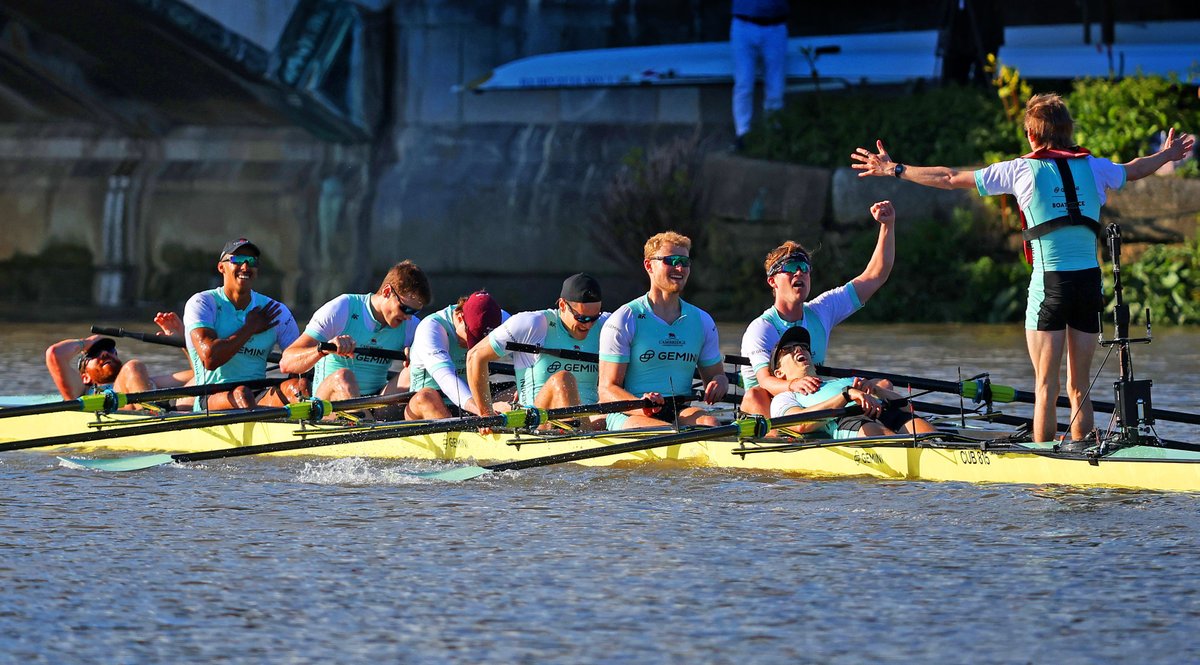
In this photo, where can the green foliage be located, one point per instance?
(1118, 119)
(1165, 279)
(949, 125)
(944, 271)
(655, 190)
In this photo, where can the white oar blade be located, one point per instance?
(135, 463)
(456, 474)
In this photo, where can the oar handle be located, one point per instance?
(585, 356)
(178, 342)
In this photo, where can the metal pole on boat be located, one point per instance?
(1133, 408)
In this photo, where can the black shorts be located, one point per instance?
(1070, 298)
(894, 417)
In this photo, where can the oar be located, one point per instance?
(303, 410)
(999, 393)
(512, 419)
(273, 357)
(746, 428)
(107, 402)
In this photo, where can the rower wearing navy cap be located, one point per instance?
(546, 380)
(232, 328)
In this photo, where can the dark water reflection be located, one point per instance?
(282, 560)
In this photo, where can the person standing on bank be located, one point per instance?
(789, 274)
(1060, 188)
(757, 33)
(232, 328)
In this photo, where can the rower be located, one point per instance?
(232, 328)
(651, 347)
(438, 357)
(92, 365)
(882, 413)
(789, 274)
(546, 380)
(385, 319)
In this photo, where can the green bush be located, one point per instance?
(1165, 279)
(946, 270)
(1119, 119)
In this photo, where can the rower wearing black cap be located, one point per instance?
(92, 364)
(546, 380)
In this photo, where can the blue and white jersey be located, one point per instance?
(212, 309)
(820, 316)
(829, 389)
(351, 314)
(661, 356)
(435, 359)
(545, 329)
(1037, 185)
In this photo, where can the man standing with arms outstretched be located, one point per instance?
(652, 346)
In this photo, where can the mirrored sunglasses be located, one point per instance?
(674, 260)
(582, 318)
(243, 259)
(794, 266)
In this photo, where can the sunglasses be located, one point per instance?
(582, 318)
(405, 308)
(674, 260)
(791, 267)
(243, 260)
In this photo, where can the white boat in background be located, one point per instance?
(833, 61)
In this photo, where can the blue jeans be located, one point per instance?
(752, 43)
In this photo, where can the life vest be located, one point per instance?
(1074, 216)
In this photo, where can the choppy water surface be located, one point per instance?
(283, 560)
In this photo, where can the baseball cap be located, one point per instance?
(99, 346)
(234, 245)
(791, 336)
(481, 314)
(580, 287)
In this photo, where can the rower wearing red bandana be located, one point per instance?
(789, 274)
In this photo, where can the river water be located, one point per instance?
(286, 560)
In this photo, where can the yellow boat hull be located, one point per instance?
(1138, 467)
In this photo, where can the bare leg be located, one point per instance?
(288, 392)
(559, 390)
(238, 398)
(1045, 350)
(340, 385)
(1081, 347)
(426, 404)
(757, 401)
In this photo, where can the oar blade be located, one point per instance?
(133, 463)
(457, 474)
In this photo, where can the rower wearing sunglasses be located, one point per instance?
(651, 347)
(231, 329)
(385, 319)
(546, 380)
(789, 274)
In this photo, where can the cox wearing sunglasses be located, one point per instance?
(652, 346)
(385, 319)
(789, 272)
(546, 380)
(231, 329)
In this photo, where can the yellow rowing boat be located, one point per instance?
(962, 456)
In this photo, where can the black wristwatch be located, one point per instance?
(846, 395)
(899, 170)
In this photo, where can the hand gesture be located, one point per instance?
(261, 319)
(1178, 147)
(169, 323)
(872, 407)
(884, 213)
(873, 163)
(714, 390)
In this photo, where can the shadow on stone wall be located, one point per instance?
(59, 275)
